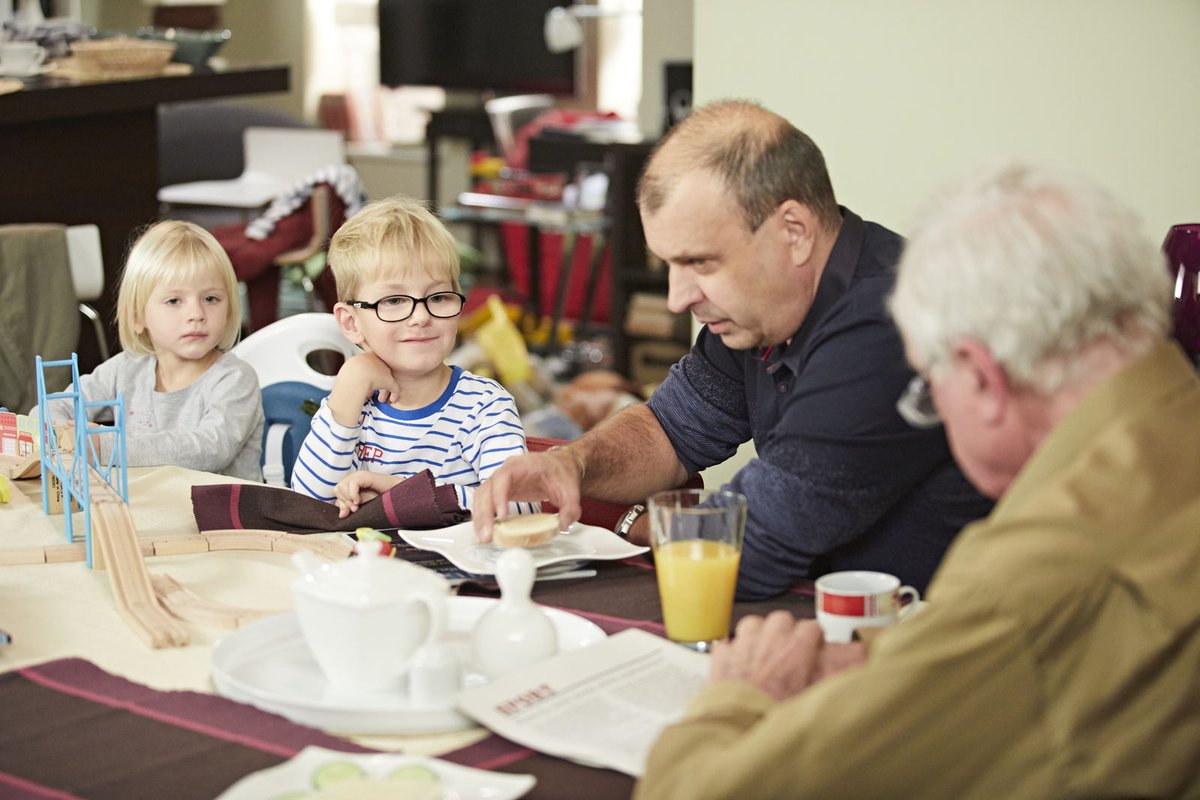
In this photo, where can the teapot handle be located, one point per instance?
(436, 605)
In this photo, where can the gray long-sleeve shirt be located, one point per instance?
(215, 424)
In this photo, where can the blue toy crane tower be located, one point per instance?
(76, 470)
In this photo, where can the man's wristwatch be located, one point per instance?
(628, 518)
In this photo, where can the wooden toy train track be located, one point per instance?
(153, 605)
(150, 605)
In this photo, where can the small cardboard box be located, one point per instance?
(649, 362)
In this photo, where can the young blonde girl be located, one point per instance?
(188, 401)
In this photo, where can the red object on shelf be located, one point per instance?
(1182, 249)
(516, 248)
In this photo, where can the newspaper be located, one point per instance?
(602, 705)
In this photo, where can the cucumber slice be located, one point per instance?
(336, 772)
(414, 772)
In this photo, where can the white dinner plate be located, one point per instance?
(268, 665)
(296, 776)
(582, 543)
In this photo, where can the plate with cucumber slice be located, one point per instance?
(316, 773)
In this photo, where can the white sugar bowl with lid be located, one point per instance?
(365, 618)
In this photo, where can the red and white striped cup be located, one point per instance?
(847, 601)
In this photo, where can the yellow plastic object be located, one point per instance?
(487, 168)
(505, 347)
(5, 490)
(365, 534)
(472, 322)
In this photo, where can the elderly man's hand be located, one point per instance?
(780, 655)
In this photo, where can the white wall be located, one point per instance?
(903, 95)
(666, 36)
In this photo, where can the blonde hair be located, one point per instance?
(396, 235)
(1035, 264)
(172, 250)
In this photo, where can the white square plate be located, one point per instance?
(581, 543)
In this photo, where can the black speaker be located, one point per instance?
(677, 92)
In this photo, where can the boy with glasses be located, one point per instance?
(398, 408)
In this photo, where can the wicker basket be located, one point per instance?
(121, 57)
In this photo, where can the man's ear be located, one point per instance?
(800, 228)
(990, 385)
(348, 322)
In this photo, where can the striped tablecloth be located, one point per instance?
(70, 729)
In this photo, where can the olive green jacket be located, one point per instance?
(1059, 655)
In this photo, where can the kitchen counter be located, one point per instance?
(81, 152)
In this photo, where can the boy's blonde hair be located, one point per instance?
(396, 235)
(172, 250)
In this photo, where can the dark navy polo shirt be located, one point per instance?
(840, 480)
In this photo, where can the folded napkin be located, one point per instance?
(415, 503)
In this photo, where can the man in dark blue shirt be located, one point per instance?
(797, 352)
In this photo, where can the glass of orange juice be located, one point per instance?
(697, 539)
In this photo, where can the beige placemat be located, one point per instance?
(159, 500)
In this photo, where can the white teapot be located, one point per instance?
(365, 618)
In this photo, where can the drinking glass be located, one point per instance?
(697, 539)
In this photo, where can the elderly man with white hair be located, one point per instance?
(1059, 655)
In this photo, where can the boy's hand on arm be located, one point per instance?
(357, 381)
(359, 487)
(553, 475)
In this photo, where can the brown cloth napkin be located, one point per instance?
(73, 730)
(415, 503)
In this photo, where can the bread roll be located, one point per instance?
(525, 530)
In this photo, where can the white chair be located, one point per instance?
(283, 355)
(508, 114)
(275, 159)
(87, 273)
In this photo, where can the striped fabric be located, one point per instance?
(462, 437)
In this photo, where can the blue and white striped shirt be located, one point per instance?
(462, 437)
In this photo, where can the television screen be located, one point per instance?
(482, 45)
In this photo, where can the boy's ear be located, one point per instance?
(348, 322)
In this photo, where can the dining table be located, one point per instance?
(89, 709)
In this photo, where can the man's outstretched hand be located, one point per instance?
(552, 475)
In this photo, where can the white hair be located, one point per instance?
(1036, 265)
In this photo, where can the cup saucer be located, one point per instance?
(41, 69)
(268, 664)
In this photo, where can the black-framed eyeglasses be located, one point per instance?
(399, 307)
(916, 404)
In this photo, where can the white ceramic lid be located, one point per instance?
(369, 580)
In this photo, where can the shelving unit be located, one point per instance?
(631, 268)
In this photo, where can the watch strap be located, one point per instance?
(628, 518)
